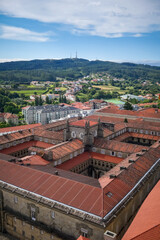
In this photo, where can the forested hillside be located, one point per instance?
(71, 69)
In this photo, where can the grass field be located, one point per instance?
(30, 92)
(115, 101)
(109, 88)
(63, 88)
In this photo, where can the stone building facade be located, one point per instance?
(47, 113)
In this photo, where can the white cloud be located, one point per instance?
(22, 34)
(108, 18)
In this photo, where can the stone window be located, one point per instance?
(94, 149)
(75, 154)
(112, 153)
(95, 133)
(32, 237)
(52, 214)
(84, 232)
(102, 151)
(73, 134)
(59, 161)
(23, 233)
(81, 135)
(15, 199)
(119, 154)
(33, 213)
(55, 163)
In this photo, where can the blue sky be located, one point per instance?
(114, 30)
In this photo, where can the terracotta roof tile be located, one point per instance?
(82, 238)
(18, 128)
(86, 156)
(81, 123)
(143, 113)
(14, 136)
(26, 145)
(146, 224)
(49, 134)
(80, 195)
(106, 158)
(33, 160)
(117, 146)
(75, 161)
(66, 148)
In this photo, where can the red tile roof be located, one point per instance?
(66, 148)
(49, 134)
(18, 128)
(75, 161)
(146, 224)
(25, 145)
(10, 115)
(106, 158)
(70, 192)
(81, 195)
(81, 123)
(118, 146)
(33, 160)
(82, 238)
(136, 135)
(86, 156)
(6, 138)
(147, 113)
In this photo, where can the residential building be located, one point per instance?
(46, 113)
(130, 96)
(9, 118)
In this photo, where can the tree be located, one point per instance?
(128, 106)
(47, 100)
(40, 101)
(36, 102)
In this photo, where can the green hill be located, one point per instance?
(71, 69)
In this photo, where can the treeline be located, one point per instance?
(11, 102)
(88, 93)
(72, 69)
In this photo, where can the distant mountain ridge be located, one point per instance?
(75, 68)
(62, 63)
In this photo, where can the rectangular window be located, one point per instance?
(112, 153)
(119, 154)
(15, 199)
(33, 214)
(53, 214)
(32, 238)
(84, 232)
(23, 233)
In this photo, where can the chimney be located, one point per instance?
(56, 172)
(123, 168)
(131, 161)
(112, 176)
(108, 235)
